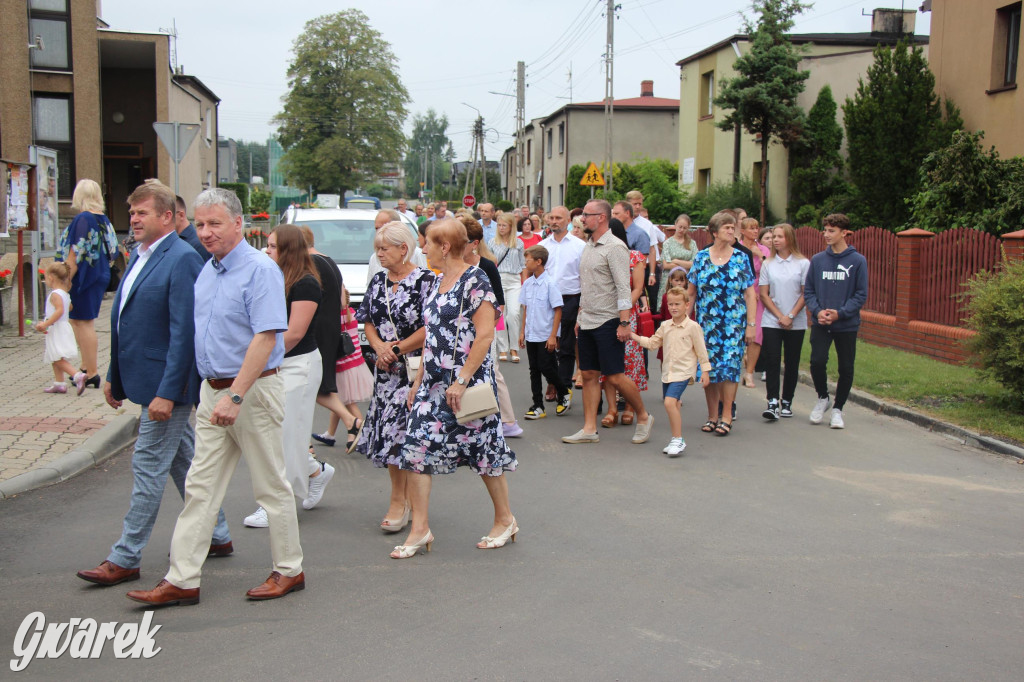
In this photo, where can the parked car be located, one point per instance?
(362, 202)
(346, 236)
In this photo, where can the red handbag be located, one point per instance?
(645, 324)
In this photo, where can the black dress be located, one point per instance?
(327, 321)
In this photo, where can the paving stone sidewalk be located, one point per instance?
(36, 428)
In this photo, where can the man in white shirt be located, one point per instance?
(654, 266)
(385, 216)
(488, 222)
(564, 251)
(403, 207)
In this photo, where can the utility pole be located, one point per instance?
(608, 94)
(483, 155)
(520, 157)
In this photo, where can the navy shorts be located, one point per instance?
(600, 349)
(673, 389)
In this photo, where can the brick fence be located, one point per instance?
(906, 329)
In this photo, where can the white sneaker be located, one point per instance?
(818, 413)
(317, 485)
(837, 420)
(258, 519)
(675, 447)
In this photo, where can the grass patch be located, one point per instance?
(953, 393)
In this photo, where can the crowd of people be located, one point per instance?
(255, 340)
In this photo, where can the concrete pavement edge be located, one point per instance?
(965, 436)
(105, 443)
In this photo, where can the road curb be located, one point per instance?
(965, 436)
(99, 447)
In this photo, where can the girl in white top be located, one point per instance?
(783, 322)
(60, 339)
(511, 264)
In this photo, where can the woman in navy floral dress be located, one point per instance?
(459, 317)
(392, 317)
(722, 288)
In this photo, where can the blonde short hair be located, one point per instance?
(88, 197)
(396, 234)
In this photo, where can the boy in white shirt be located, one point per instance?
(684, 349)
(542, 315)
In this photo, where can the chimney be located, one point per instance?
(892, 22)
(647, 88)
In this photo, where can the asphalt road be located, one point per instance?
(783, 552)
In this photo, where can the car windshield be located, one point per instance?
(346, 241)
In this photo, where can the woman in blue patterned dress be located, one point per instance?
(459, 318)
(392, 317)
(88, 245)
(722, 288)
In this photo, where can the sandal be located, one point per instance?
(610, 420)
(357, 426)
(515, 358)
(748, 380)
(627, 418)
(723, 429)
(709, 426)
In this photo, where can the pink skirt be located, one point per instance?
(355, 385)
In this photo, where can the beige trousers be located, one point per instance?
(257, 434)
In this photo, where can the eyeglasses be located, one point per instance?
(590, 215)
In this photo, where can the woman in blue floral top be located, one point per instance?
(459, 318)
(392, 317)
(88, 245)
(722, 287)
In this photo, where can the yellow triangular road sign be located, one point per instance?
(592, 177)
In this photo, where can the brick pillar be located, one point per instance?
(1013, 245)
(908, 274)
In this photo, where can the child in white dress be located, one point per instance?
(60, 339)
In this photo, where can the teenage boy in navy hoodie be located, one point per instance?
(835, 290)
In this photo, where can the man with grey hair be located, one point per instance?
(385, 216)
(240, 315)
(403, 207)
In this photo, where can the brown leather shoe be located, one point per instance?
(108, 574)
(165, 594)
(221, 550)
(277, 586)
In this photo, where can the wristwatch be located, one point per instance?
(790, 316)
(395, 349)
(751, 324)
(623, 323)
(461, 381)
(235, 398)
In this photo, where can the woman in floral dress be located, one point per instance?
(459, 318)
(722, 288)
(392, 317)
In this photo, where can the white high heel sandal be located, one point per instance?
(389, 526)
(406, 551)
(487, 542)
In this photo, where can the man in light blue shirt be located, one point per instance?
(488, 222)
(240, 314)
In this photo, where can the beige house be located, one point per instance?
(93, 93)
(644, 127)
(708, 154)
(975, 48)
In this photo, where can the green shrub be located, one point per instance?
(996, 312)
(739, 193)
(259, 201)
(503, 205)
(241, 190)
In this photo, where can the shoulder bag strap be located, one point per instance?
(458, 333)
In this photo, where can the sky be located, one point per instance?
(458, 55)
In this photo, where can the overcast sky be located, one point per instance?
(458, 51)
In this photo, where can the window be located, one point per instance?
(550, 136)
(707, 95)
(561, 138)
(51, 127)
(549, 196)
(49, 20)
(755, 177)
(1006, 47)
(209, 125)
(561, 195)
(529, 151)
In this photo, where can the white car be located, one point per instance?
(345, 235)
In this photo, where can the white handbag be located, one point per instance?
(412, 362)
(478, 401)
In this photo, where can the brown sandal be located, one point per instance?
(610, 420)
(627, 418)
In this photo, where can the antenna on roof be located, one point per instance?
(173, 33)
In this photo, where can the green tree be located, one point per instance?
(762, 98)
(963, 185)
(427, 151)
(259, 201)
(257, 151)
(575, 195)
(815, 163)
(343, 115)
(892, 123)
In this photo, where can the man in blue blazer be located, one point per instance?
(152, 364)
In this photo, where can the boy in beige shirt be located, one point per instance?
(684, 349)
